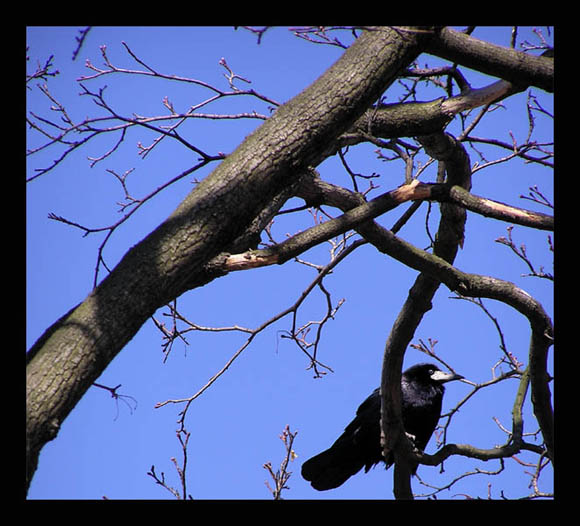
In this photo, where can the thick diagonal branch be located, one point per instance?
(365, 211)
(519, 68)
(72, 353)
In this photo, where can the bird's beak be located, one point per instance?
(442, 377)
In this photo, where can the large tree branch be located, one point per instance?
(172, 259)
(434, 268)
(478, 286)
(412, 119)
(353, 217)
(449, 237)
(519, 68)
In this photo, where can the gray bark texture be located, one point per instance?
(174, 258)
(226, 212)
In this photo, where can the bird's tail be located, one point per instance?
(332, 467)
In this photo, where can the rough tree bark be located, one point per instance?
(172, 259)
(225, 213)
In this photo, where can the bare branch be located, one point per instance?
(314, 363)
(183, 437)
(80, 41)
(282, 475)
(509, 64)
(216, 234)
(522, 254)
(42, 70)
(354, 217)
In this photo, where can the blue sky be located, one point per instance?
(105, 448)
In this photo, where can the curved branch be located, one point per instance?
(414, 191)
(455, 161)
(513, 445)
(437, 268)
(474, 285)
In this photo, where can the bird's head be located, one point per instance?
(429, 373)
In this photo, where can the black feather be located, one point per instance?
(359, 446)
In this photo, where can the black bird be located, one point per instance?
(360, 445)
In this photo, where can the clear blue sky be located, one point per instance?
(106, 450)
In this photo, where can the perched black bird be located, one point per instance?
(360, 445)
